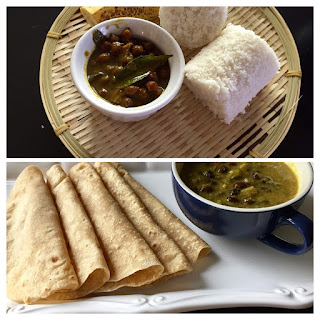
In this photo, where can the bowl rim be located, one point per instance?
(91, 97)
(298, 197)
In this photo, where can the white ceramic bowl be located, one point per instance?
(142, 29)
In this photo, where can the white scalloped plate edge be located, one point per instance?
(175, 302)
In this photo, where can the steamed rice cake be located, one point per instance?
(193, 27)
(230, 71)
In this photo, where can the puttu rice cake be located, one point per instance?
(230, 71)
(193, 27)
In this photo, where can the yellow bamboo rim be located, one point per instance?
(59, 130)
(184, 128)
(293, 73)
(55, 35)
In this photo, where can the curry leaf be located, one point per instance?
(139, 68)
(98, 38)
(91, 77)
(132, 80)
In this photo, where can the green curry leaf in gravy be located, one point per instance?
(98, 38)
(132, 80)
(139, 68)
(94, 76)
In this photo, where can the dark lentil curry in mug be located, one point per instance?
(127, 71)
(241, 184)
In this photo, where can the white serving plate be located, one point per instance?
(237, 273)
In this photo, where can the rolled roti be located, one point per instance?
(38, 263)
(131, 261)
(188, 241)
(84, 248)
(167, 251)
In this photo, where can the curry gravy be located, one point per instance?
(242, 184)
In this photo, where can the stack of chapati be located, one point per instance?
(95, 230)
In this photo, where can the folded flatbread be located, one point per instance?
(188, 241)
(84, 248)
(167, 251)
(96, 231)
(38, 263)
(131, 261)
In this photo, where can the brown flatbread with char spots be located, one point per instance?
(38, 263)
(131, 261)
(188, 241)
(167, 251)
(84, 248)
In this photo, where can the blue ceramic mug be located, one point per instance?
(250, 223)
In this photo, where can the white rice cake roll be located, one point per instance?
(193, 27)
(230, 71)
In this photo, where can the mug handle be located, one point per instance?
(299, 221)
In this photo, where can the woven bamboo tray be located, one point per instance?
(184, 128)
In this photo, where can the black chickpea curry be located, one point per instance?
(242, 184)
(127, 71)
